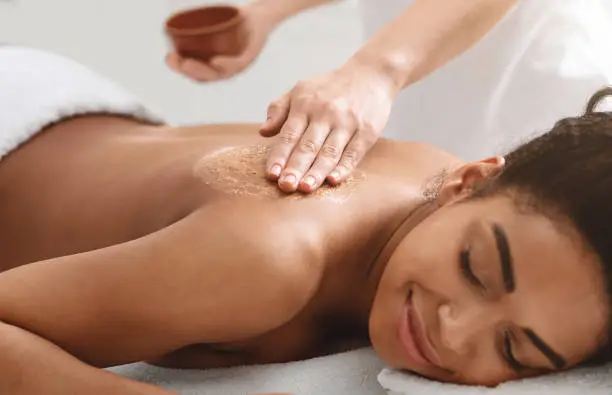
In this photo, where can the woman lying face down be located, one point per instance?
(136, 242)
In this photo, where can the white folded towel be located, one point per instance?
(583, 381)
(38, 88)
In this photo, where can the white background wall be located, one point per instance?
(124, 40)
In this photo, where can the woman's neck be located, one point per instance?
(355, 286)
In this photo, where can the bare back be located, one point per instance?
(95, 182)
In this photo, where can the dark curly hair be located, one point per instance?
(566, 174)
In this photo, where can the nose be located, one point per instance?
(461, 329)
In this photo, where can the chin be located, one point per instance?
(396, 341)
(384, 335)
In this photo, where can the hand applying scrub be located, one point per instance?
(327, 124)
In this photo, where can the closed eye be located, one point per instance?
(466, 269)
(509, 356)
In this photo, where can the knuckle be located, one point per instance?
(331, 151)
(350, 158)
(308, 145)
(289, 135)
(338, 111)
(345, 123)
(274, 106)
(332, 107)
(301, 85)
(304, 102)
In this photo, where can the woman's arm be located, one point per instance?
(29, 364)
(427, 35)
(204, 279)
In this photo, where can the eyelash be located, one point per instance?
(466, 269)
(508, 356)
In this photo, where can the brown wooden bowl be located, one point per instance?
(202, 33)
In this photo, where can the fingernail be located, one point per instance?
(334, 175)
(288, 178)
(275, 170)
(310, 181)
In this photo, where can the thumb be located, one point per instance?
(278, 111)
(229, 65)
(173, 60)
(224, 63)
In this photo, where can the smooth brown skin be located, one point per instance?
(114, 251)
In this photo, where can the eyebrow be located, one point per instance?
(505, 257)
(556, 359)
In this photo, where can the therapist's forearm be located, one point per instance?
(280, 10)
(427, 35)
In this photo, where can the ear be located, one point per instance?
(460, 183)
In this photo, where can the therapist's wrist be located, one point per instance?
(268, 12)
(274, 12)
(277, 11)
(395, 69)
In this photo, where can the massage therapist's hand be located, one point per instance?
(326, 125)
(260, 22)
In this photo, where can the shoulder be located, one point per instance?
(286, 246)
(402, 148)
(388, 154)
(264, 268)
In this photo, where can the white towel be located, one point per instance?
(38, 88)
(354, 373)
(583, 381)
(350, 373)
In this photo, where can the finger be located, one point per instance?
(199, 71)
(289, 135)
(327, 160)
(303, 156)
(356, 149)
(228, 65)
(173, 60)
(278, 111)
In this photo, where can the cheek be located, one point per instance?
(429, 256)
(584, 316)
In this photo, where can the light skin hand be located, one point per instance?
(262, 17)
(325, 126)
(260, 24)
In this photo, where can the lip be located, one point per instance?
(412, 335)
